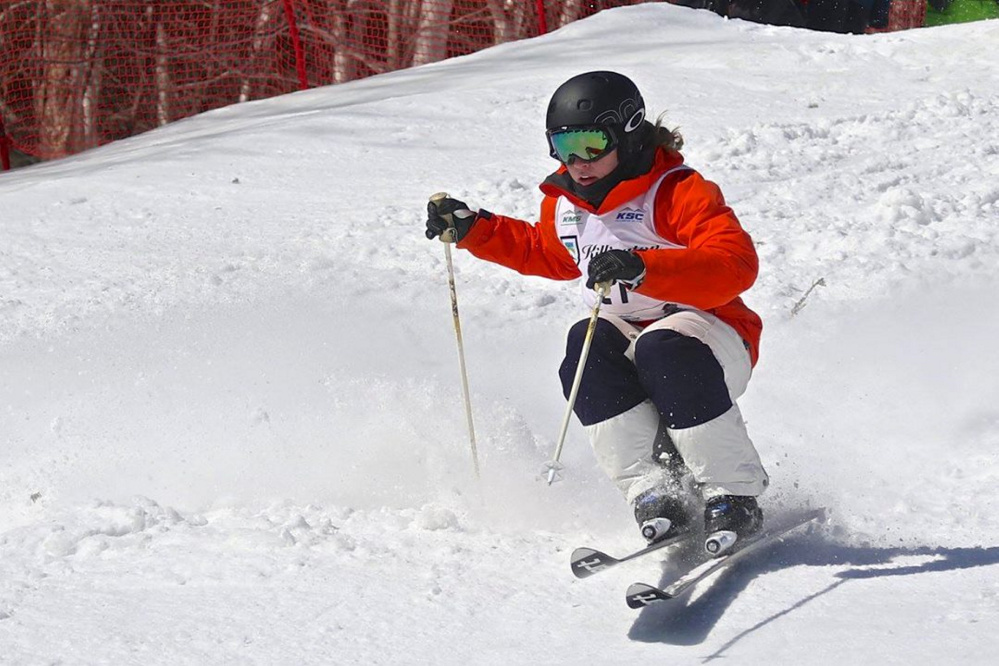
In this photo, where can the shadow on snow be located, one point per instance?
(688, 622)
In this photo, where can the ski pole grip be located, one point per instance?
(448, 235)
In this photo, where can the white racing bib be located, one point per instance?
(628, 227)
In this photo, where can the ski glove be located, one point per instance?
(616, 266)
(445, 213)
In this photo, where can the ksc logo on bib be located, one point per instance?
(631, 215)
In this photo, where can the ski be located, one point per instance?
(587, 562)
(640, 595)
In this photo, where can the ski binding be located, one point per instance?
(640, 595)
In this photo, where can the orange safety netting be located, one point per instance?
(905, 14)
(75, 74)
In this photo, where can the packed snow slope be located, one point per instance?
(232, 425)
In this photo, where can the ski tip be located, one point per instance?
(586, 553)
(640, 595)
(588, 561)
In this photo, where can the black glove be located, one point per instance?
(616, 265)
(445, 213)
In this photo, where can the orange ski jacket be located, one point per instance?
(717, 261)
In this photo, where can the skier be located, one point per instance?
(674, 345)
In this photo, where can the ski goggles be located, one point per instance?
(581, 143)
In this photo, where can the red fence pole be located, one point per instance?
(296, 43)
(4, 147)
(542, 19)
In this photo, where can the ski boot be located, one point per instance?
(728, 519)
(660, 514)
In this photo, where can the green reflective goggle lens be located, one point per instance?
(585, 145)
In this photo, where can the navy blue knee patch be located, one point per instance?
(684, 379)
(610, 384)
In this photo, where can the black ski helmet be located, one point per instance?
(600, 98)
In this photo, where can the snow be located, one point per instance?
(231, 414)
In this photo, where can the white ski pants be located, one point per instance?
(718, 452)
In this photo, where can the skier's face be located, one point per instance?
(587, 173)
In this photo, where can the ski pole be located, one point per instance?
(603, 288)
(447, 238)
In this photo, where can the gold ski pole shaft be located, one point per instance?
(447, 238)
(603, 288)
